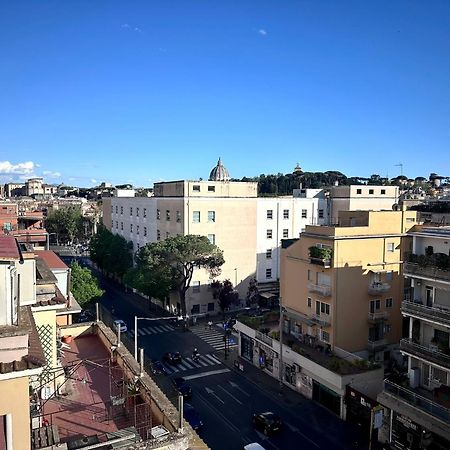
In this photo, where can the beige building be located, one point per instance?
(342, 285)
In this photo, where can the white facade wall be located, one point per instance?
(287, 222)
(134, 218)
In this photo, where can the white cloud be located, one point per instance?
(93, 180)
(124, 25)
(51, 174)
(19, 168)
(127, 26)
(262, 32)
(138, 30)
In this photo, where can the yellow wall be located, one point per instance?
(14, 399)
(47, 317)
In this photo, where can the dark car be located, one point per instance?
(158, 368)
(85, 316)
(191, 415)
(182, 386)
(172, 357)
(267, 422)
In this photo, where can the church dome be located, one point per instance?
(219, 173)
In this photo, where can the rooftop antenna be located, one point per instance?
(401, 167)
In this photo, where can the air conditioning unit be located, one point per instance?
(414, 377)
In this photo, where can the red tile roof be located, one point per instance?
(8, 248)
(51, 259)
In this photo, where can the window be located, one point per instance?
(145, 231)
(137, 212)
(370, 191)
(383, 191)
(325, 308)
(374, 305)
(285, 233)
(268, 273)
(196, 216)
(131, 211)
(167, 234)
(195, 309)
(309, 302)
(137, 229)
(389, 275)
(117, 224)
(389, 302)
(358, 191)
(285, 214)
(196, 287)
(131, 227)
(117, 209)
(211, 305)
(158, 235)
(387, 328)
(158, 214)
(211, 189)
(167, 214)
(439, 375)
(196, 188)
(317, 308)
(269, 214)
(121, 210)
(309, 275)
(325, 336)
(320, 213)
(304, 213)
(390, 247)
(178, 216)
(145, 212)
(211, 216)
(269, 234)
(138, 246)
(269, 253)
(212, 238)
(121, 226)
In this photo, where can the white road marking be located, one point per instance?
(211, 392)
(206, 374)
(236, 386)
(231, 395)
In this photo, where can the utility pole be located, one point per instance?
(401, 167)
(281, 344)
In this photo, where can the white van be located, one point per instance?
(254, 446)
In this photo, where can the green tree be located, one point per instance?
(111, 252)
(252, 292)
(84, 285)
(225, 294)
(66, 223)
(172, 261)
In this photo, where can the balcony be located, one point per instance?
(377, 288)
(428, 272)
(412, 398)
(433, 313)
(326, 263)
(324, 291)
(376, 345)
(431, 354)
(377, 316)
(323, 320)
(320, 256)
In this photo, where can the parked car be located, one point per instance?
(172, 357)
(158, 368)
(192, 416)
(253, 446)
(268, 422)
(182, 386)
(120, 323)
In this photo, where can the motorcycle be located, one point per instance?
(195, 356)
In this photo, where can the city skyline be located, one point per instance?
(151, 92)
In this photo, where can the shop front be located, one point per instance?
(247, 348)
(359, 407)
(326, 397)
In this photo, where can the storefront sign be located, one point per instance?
(406, 422)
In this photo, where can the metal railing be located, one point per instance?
(378, 288)
(372, 345)
(430, 271)
(417, 400)
(324, 291)
(431, 312)
(323, 319)
(431, 354)
(380, 315)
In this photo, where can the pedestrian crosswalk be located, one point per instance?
(214, 337)
(154, 329)
(188, 364)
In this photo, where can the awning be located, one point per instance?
(268, 295)
(300, 317)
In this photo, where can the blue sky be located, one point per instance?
(141, 91)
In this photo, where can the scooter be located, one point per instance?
(195, 356)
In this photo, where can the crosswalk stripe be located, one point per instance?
(185, 365)
(140, 332)
(211, 358)
(159, 329)
(132, 332)
(215, 359)
(189, 363)
(166, 328)
(195, 364)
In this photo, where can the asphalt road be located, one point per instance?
(225, 398)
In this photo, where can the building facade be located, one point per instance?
(417, 406)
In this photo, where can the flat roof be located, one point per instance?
(8, 248)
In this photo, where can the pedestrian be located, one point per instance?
(210, 324)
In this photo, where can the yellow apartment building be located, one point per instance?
(342, 286)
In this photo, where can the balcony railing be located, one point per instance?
(322, 319)
(325, 262)
(418, 401)
(431, 354)
(375, 316)
(430, 272)
(324, 291)
(434, 313)
(375, 345)
(377, 288)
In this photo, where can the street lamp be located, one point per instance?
(282, 310)
(235, 277)
(136, 318)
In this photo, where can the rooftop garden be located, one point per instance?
(430, 259)
(320, 253)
